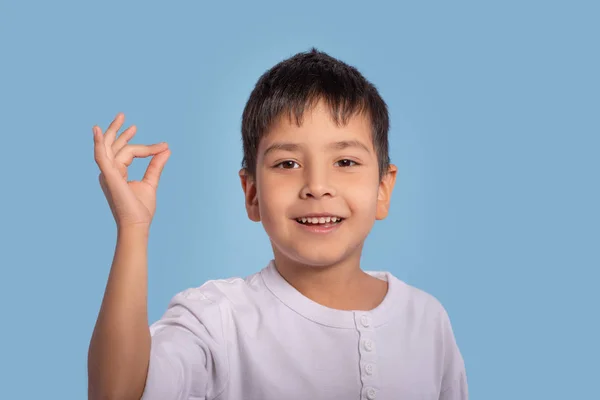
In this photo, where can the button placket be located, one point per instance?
(367, 355)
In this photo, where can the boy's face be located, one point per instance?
(318, 172)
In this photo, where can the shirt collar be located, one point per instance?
(320, 314)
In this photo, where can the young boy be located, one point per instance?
(309, 325)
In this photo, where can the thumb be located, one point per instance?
(155, 168)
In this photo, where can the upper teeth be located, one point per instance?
(318, 220)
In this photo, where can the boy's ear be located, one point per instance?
(386, 186)
(250, 195)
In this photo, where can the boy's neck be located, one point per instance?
(343, 286)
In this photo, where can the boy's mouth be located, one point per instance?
(319, 220)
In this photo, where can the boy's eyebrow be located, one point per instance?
(344, 144)
(281, 146)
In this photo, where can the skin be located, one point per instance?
(305, 170)
(119, 349)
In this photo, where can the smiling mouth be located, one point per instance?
(319, 220)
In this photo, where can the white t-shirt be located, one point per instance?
(260, 339)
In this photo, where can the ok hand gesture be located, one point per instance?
(132, 203)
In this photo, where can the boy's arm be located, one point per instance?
(119, 350)
(125, 361)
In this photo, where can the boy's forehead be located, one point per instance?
(317, 124)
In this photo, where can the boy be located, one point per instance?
(311, 324)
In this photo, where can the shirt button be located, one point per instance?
(371, 394)
(364, 320)
(369, 369)
(368, 345)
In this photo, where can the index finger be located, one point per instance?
(128, 153)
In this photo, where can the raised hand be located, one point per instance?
(132, 203)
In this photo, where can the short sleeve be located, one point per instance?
(454, 380)
(188, 357)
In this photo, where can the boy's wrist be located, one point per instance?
(133, 230)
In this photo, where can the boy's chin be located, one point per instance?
(314, 257)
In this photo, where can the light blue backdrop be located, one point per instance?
(494, 109)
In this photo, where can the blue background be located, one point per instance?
(495, 131)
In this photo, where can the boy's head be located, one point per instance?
(295, 85)
(316, 169)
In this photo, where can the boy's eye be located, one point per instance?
(288, 164)
(346, 163)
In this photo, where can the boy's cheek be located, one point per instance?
(273, 207)
(362, 204)
(361, 196)
(270, 180)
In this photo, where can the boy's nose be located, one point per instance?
(317, 185)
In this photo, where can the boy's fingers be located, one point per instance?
(155, 168)
(126, 155)
(123, 139)
(105, 163)
(113, 128)
(99, 149)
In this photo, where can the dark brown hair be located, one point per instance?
(298, 83)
